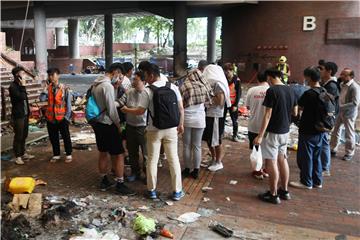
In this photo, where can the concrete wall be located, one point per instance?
(255, 33)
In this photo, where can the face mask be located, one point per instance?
(114, 80)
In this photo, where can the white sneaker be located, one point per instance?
(27, 156)
(215, 167)
(19, 161)
(54, 159)
(68, 159)
(299, 185)
(160, 165)
(163, 156)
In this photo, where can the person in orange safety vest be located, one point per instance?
(58, 114)
(235, 94)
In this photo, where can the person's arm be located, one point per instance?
(264, 125)
(134, 111)
(355, 99)
(238, 94)
(68, 105)
(181, 123)
(110, 106)
(18, 94)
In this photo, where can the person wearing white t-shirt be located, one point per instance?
(155, 137)
(254, 100)
(128, 72)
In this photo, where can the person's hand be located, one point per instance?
(257, 141)
(22, 81)
(119, 129)
(234, 109)
(180, 129)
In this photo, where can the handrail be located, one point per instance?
(7, 58)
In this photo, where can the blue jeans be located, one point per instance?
(325, 152)
(308, 159)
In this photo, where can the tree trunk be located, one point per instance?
(146, 38)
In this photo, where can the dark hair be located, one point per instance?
(127, 67)
(331, 66)
(313, 73)
(114, 67)
(52, 71)
(202, 64)
(153, 69)
(228, 66)
(273, 72)
(144, 65)
(16, 70)
(261, 77)
(140, 74)
(321, 62)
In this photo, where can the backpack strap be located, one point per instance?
(168, 84)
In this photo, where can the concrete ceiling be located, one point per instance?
(11, 10)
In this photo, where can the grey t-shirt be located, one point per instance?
(215, 110)
(135, 99)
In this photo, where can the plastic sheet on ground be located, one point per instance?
(189, 217)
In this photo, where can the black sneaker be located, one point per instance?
(195, 173)
(124, 190)
(186, 172)
(105, 184)
(284, 195)
(333, 153)
(268, 197)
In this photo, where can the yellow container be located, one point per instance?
(21, 185)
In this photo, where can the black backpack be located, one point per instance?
(326, 107)
(166, 110)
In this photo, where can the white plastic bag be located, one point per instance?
(256, 158)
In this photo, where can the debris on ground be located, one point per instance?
(86, 137)
(205, 212)
(143, 225)
(221, 229)
(5, 157)
(17, 228)
(166, 233)
(233, 182)
(189, 217)
(21, 185)
(228, 199)
(351, 212)
(206, 199)
(26, 204)
(57, 213)
(95, 235)
(205, 189)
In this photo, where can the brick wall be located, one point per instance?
(254, 33)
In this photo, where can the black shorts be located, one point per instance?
(251, 136)
(208, 131)
(108, 138)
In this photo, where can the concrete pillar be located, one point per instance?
(73, 30)
(60, 38)
(108, 20)
(211, 39)
(180, 35)
(40, 39)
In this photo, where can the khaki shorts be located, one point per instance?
(274, 144)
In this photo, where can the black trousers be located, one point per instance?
(21, 128)
(54, 129)
(234, 117)
(136, 139)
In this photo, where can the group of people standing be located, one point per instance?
(274, 107)
(142, 112)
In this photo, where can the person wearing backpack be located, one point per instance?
(58, 114)
(166, 121)
(107, 129)
(349, 107)
(329, 82)
(310, 137)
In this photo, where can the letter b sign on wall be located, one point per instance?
(309, 23)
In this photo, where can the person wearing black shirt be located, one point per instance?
(280, 103)
(235, 95)
(310, 139)
(329, 82)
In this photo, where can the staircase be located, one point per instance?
(8, 60)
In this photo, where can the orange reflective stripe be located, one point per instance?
(232, 93)
(56, 107)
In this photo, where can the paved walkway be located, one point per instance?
(311, 214)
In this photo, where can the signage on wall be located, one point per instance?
(309, 23)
